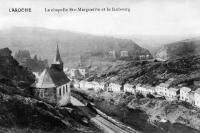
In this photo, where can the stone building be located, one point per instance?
(53, 85)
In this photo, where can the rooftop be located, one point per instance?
(173, 89)
(186, 89)
(164, 85)
(51, 78)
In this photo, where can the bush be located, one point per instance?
(139, 95)
(150, 96)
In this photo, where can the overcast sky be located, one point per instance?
(147, 17)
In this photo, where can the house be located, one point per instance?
(197, 97)
(184, 94)
(53, 85)
(75, 73)
(102, 85)
(82, 71)
(162, 89)
(191, 97)
(114, 87)
(82, 84)
(89, 85)
(76, 84)
(173, 93)
(96, 86)
(129, 88)
(123, 53)
(144, 89)
(112, 54)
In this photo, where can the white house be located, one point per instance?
(96, 86)
(85, 85)
(89, 85)
(114, 87)
(197, 97)
(184, 94)
(102, 85)
(76, 84)
(82, 71)
(162, 89)
(82, 84)
(129, 88)
(112, 54)
(172, 93)
(144, 89)
(123, 53)
(191, 97)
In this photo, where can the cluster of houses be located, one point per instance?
(73, 73)
(125, 53)
(162, 90)
(122, 53)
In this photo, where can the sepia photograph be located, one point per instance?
(100, 66)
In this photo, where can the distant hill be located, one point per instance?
(43, 42)
(179, 49)
(154, 42)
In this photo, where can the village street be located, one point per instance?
(107, 126)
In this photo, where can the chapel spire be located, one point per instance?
(57, 63)
(57, 59)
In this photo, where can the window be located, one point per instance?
(59, 89)
(41, 93)
(63, 88)
(66, 89)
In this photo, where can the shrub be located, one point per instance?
(139, 95)
(150, 96)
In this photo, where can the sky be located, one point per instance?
(146, 17)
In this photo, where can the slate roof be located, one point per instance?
(51, 77)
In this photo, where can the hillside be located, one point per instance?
(41, 41)
(146, 114)
(179, 49)
(183, 70)
(22, 112)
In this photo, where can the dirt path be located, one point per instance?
(105, 125)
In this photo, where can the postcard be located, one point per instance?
(100, 66)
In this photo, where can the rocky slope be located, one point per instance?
(179, 49)
(183, 70)
(146, 114)
(21, 112)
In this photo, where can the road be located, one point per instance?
(104, 124)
